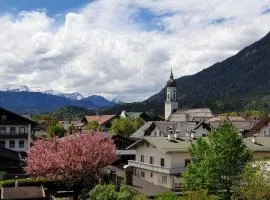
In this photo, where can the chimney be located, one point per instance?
(253, 139)
(176, 134)
(192, 135)
(170, 137)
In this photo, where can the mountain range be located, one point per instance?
(25, 100)
(238, 83)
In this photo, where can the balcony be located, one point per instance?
(156, 168)
(6, 135)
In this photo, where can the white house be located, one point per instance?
(162, 160)
(15, 131)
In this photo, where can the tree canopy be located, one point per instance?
(77, 160)
(125, 126)
(56, 130)
(217, 162)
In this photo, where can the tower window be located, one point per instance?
(168, 96)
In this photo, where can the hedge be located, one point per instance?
(32, 182)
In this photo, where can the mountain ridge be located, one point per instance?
(239, 82)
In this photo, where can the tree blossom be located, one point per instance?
(76, 159)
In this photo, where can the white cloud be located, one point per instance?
(104, 49)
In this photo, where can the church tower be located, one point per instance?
(171, 103)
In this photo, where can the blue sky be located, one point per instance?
(53, 7)
(120, 48)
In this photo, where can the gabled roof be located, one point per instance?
(182, 144)
(227, 118)
(164, 145)
(7, 153)
(13, 117)
(260, 124)
(100, 119)
(180, 127)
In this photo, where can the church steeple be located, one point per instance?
(171, 103)
(171, 76)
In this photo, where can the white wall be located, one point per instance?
(156, 132)
(27, 141)
(17, 144)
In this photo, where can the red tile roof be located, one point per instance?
(100, 119)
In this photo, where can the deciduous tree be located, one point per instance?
(216, 163)
(76, 160)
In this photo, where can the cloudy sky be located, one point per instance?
(120, 48)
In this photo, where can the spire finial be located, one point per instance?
(171, 73)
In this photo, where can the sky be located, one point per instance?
(120, 49)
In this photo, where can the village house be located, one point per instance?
(104, 121)
(241, 124)
(163, 128)
(162, 160)
(15, 131)
(261, 128)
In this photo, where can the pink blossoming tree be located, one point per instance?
(76, 160)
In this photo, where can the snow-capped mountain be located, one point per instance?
(24, 99)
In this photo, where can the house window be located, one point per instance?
(3, 130)
(22, 130)
(12, 130)
(142, 174)
(162, 162)
(151, 174)
(151, 160)
(142, 158)
(21, 143)
(187, 161)
(164, 180)
(2, 143)
(11, 144)
(3, 117)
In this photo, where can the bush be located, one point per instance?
(167, 196)
(54, 185)
(103, 192)
(198, 194)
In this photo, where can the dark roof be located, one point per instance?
(4, 152)
(29, 192)
(164, 126)
(13, 117)
(171, 82)
(260, 124)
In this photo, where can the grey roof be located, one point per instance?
(261, 144)
(193, 114)
(183, 143)
(171, 82)
(240, 125)
(180, 127)
(141, 131)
